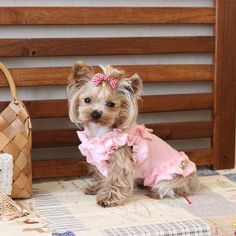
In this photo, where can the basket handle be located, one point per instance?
(10, 80)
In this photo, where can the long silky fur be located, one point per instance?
(179, 186)
(118, 186)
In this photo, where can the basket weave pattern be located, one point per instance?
(16, 139)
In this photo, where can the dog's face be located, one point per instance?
(102, 104)
(98, 104)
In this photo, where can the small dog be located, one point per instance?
(122, 153)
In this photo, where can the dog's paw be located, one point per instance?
(90, 191)
(107, 203)
(106, 198)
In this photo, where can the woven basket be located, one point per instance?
(16, 139)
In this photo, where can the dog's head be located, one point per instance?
(108, 98)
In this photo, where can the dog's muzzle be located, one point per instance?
(96, 115)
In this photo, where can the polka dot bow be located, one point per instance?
(100, 78)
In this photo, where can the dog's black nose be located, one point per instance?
(96, 115)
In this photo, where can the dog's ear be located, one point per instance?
(131, 88)
(80, 74)
(132, 85)
(136, 84)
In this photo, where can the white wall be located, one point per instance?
(205, 3)
(114, 31)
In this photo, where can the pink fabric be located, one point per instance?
(97, 149)
(98, 78)
(154, 158)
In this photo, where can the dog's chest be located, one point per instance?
(96, 130)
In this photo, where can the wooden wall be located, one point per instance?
(220, 101)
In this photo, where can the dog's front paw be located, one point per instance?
(91, 190)
(107, 203)
(107, 199)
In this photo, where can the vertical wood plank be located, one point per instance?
(225, 84)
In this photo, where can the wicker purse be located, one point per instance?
(16, 139)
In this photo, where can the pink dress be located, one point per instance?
(155, 159)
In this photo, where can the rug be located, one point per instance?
(60, 208)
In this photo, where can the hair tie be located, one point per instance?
(100, 78)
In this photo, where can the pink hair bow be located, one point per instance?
(99, 78)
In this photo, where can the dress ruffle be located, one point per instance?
(98, 149)
(139, 146)
(154, 158)
(172, 167)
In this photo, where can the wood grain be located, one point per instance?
(149, 73)
(150, 103)
(55, 138)
(183, 130)
(105, 46)
(225, 85)
(180, 130)
(104, 15)
(202, 157)
(176, 102)
(78, 167)
(59, 168)
(47, 108)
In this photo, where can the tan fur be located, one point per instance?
(80, 87)
(118, 186)
(97, 179)
(179, 186)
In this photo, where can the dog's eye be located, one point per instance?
(110, 104)
(87, 100)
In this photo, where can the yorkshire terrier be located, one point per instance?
(122, 153)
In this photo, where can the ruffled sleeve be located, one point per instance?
(138, 139)
(98, 149)
(110, 142)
